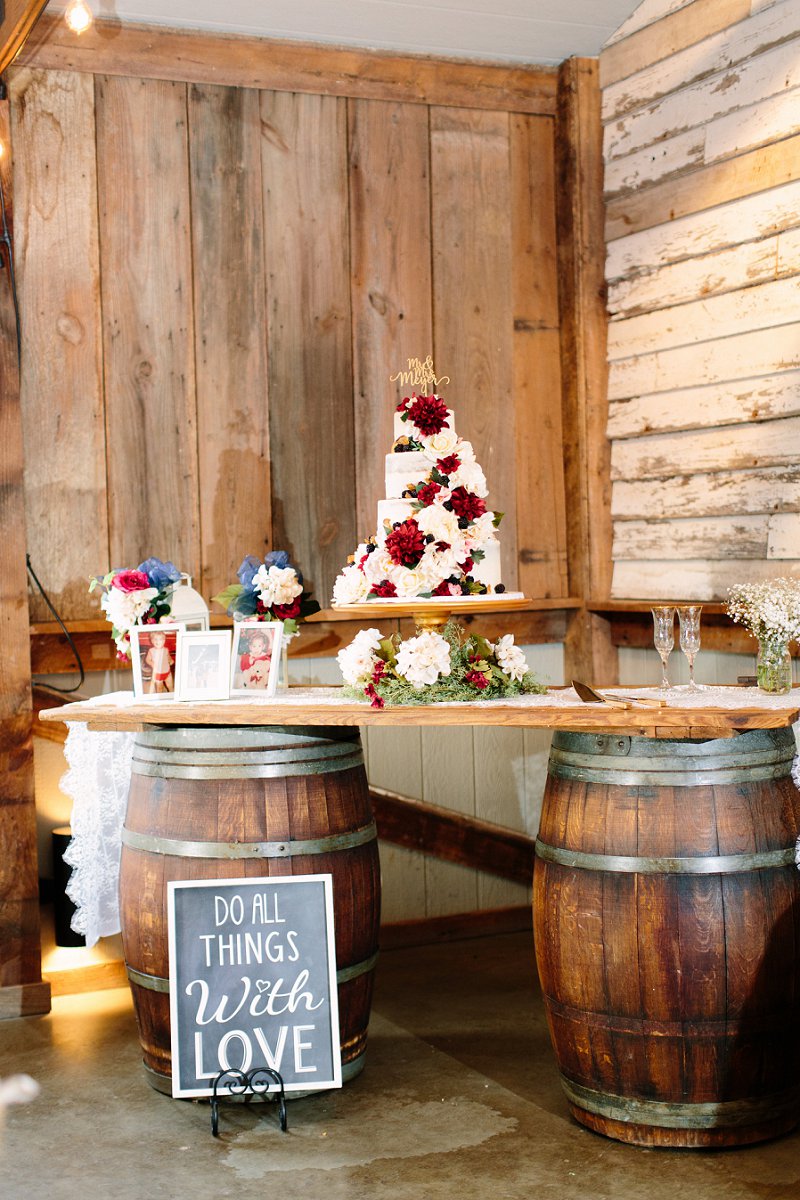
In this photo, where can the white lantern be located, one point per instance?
(187, 605)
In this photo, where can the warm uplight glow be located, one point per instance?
(78, 16)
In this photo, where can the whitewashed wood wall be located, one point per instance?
(701, 112)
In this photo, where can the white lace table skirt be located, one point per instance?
(97, 782)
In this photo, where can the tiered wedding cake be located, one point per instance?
(435, 536)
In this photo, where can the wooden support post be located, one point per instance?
(589, 653)
(22, 991)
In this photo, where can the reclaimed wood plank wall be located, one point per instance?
(217, 279)
(701, 111)
(216, 283)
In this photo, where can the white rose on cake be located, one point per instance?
(351, 587)
(358, 659)
(408, 581)
(510, 658)
(439, 445)
(423, 659)
(277, 585)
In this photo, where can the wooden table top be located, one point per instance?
(743, 709)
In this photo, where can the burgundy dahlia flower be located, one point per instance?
(466, 504)
(429, 414)
(405, 545)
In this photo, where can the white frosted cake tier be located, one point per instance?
(391, 511)
(405, 470)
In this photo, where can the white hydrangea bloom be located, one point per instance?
(351, 586)
(277, 585)
(423, 659)
(358, 659)
(124, 609)
(437, 565)
(481, 532)
(470, 476)
(510, 658)
(378, 565)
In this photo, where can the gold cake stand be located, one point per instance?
(434, 614)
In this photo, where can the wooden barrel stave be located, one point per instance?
(673, 989)
(290, 812)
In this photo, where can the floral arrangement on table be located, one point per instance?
(771, 611)
(447, 666)
(138, 596)
(268, 590)
(432, 552)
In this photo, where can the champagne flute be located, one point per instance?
(664, 637)
(689, 618)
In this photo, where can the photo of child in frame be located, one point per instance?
(154, 653)
(256, 652)
(203, 664)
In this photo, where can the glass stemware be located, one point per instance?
(689, 618)
(664, 637)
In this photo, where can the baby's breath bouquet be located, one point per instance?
(433, 666)
(771, 611)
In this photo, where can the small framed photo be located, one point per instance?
(256, 659)
(203, 663)
(154, 652)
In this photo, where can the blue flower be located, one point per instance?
(161, 574)
(277, 558)
(250, 564)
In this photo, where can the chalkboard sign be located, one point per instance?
(252, 969)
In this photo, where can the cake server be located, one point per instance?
(590, 696)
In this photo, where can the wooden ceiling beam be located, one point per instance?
(193, 56)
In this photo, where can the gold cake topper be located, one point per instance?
(420, 375)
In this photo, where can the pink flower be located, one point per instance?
(130, 581)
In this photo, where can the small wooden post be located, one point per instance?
(581, 255)
(22, 990)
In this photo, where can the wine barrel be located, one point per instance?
(667, 928)
(211, 802)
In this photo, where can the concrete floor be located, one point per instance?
(459, 1099)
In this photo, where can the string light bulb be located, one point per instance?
(78, 16)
